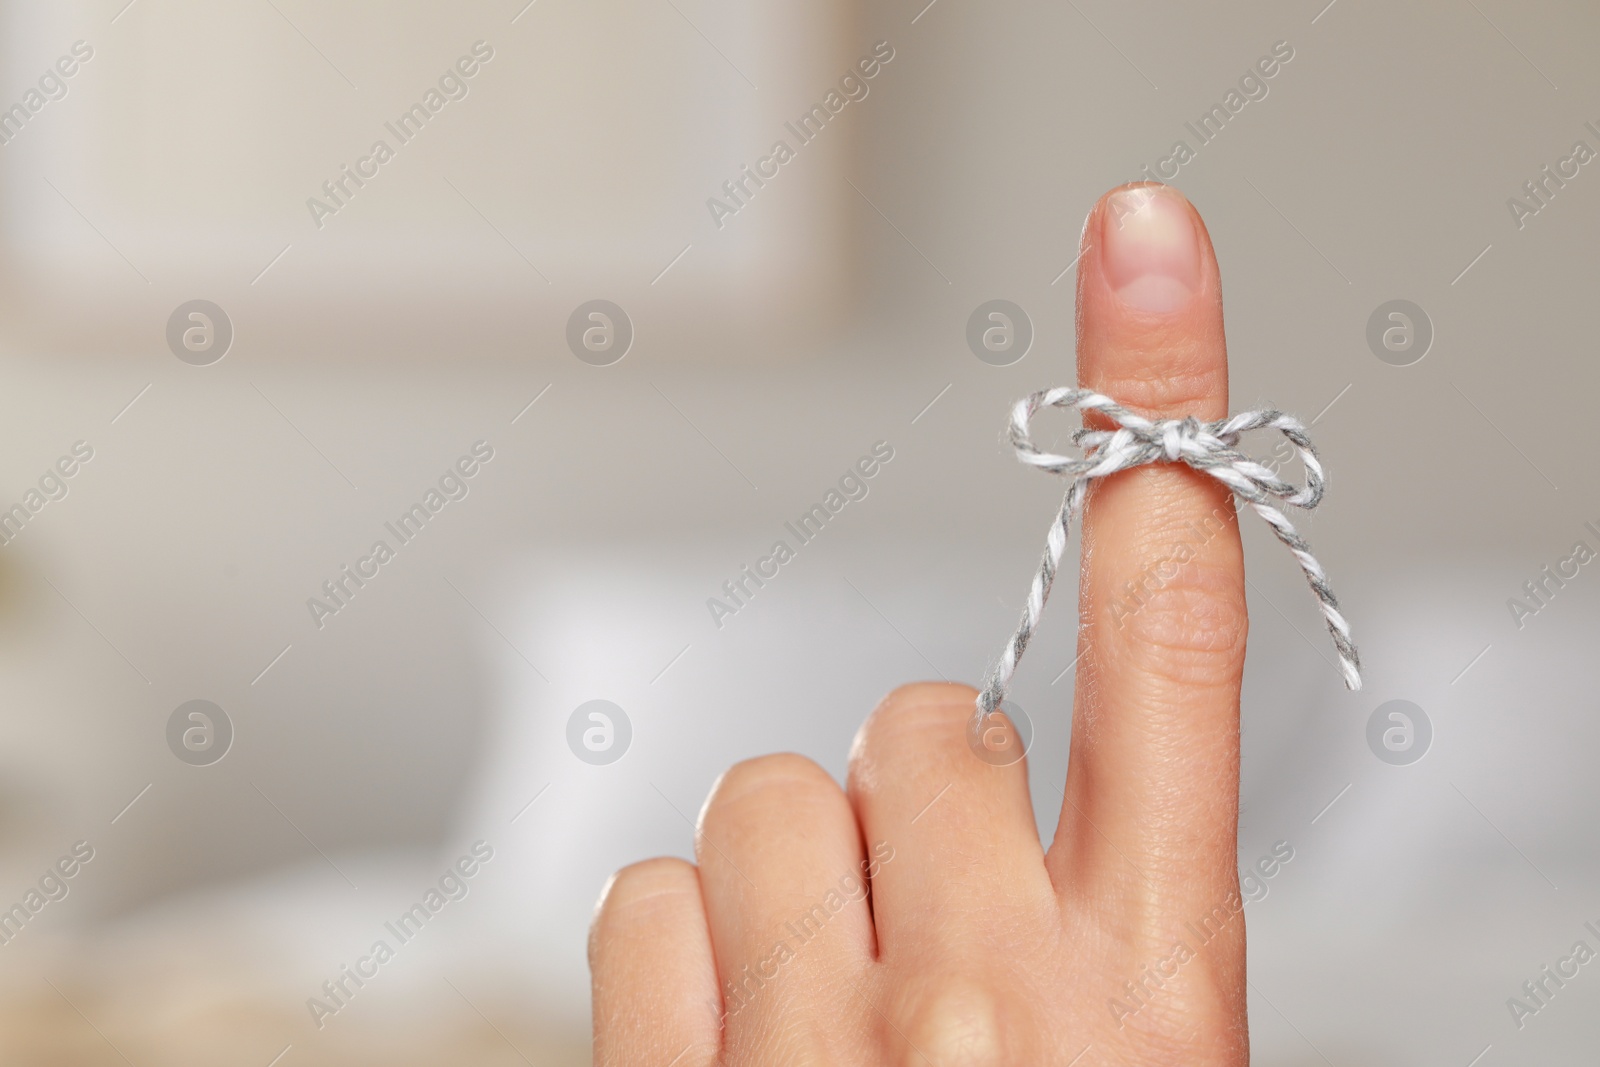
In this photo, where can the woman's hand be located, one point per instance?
(1123, 942)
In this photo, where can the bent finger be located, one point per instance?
(654, 978)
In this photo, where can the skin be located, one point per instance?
(977, 944)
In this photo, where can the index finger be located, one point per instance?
(1153, 777)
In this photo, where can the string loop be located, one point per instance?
(1208, 447)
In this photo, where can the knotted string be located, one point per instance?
(1209, 447)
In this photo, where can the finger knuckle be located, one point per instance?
(1188, 629)
(956, 1023)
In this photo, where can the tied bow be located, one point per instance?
(1208, 447)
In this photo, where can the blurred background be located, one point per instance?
(241, 342)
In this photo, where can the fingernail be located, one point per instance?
(1150, 253)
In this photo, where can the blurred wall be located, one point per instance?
(577, 157)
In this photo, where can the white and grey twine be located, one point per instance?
(1209, 447)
